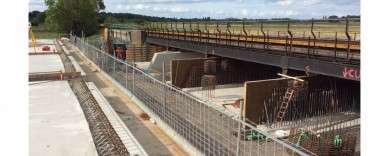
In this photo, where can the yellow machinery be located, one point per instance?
(33, 40)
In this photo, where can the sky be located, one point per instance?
(220, 9)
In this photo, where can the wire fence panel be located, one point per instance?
(207, 128)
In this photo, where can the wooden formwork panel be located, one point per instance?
(256, 93)
(181, 68)
(53, 76)
(141, 53)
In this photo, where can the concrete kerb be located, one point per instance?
(161, 124)
(89, 61)
(91, 85)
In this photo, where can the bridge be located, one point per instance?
(326, 56)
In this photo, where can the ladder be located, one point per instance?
(292, 90)
(33, 40)
(286, 100)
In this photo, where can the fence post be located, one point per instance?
(87, 47)
(239, 129)
(165, 98)
(103, 56)
(114, 67)
(127, 77)
(133, 77)
(134, 55)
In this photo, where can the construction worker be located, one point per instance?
(119, 52)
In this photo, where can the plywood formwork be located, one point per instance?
(180, 68)
(141, 53)
(227, 71)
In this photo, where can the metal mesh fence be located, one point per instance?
(207, 128)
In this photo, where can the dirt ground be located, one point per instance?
(150, 136)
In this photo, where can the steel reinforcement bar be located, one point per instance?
(106, 140)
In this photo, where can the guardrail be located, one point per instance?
(308, 45)
(210, 130)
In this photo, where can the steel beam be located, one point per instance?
(346, 71)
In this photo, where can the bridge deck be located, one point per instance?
(296, 41)
(336, 63)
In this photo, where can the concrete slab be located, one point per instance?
(45, 63)
(142, 65)
(43, 41)
(39, 49)
(57, 125)
(224, 94)
(65, 50)
(167, 56)
(77, 66)
(131, 143)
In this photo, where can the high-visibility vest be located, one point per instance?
(119, 53)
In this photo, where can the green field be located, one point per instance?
(322, 29)
(42, 32)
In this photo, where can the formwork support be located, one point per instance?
(239, 128)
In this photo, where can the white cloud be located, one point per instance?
(219, 12)
(244, 12)
(290, 12)
(311, 2)
(179, 10)
(257, 13)
(228, 8)
(285, 2)
(141, 7)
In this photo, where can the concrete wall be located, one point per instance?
(167, 57)
(256, 93)
(137, 37)
(181, 67)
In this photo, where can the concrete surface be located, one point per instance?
(142, 65)
(44, 63)
(167, 56)
(126, 136)
(39, 49)
(43, 41)
(65, 50)
(57, 125)
(224, 94)
(77, 66)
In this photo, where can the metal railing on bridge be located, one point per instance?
(310, 45)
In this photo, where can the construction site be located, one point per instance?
(195, 89)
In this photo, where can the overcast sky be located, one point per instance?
(303, 9)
